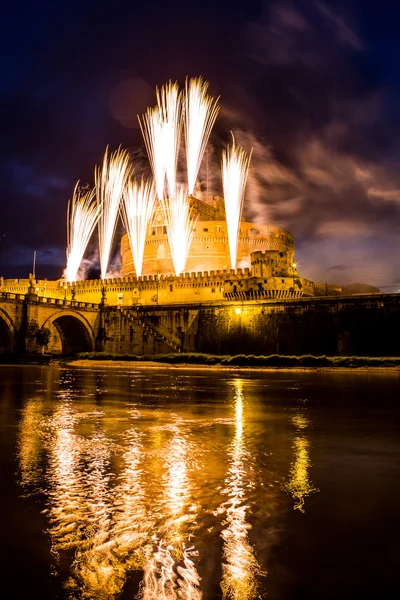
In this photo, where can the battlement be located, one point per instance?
(194, 287)
(156, 280)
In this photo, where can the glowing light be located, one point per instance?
(110, 182)
(239, 579)
(170, 572)
(133, 524)
(238, 311)
(200, 114)
(181, 225)
(29, 442)
(82, 216)
(152, 131)
(161, 127)
(235, 168)
(300, 485)
(137, 208)
(66, 482)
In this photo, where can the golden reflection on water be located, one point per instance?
(30, 443)
(300, 485)
(169, 571)
(240, 571)
(128, 493)
(140, 520)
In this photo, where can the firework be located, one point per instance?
(200, 114)
(137, 208)
(180, 227)
(235, 168)
(151, 127)
(110, 181)
(82, 216)
(161, 128)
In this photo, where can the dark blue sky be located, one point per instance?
(313, 86)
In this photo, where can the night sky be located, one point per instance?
(312, 86)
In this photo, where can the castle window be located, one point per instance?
(205, 229)
(164, 229)
(171, 287)
(153, 231)
(213, 290)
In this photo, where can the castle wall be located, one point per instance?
(361, 325)
(209, 250)
(207, 287)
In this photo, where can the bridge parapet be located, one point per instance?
(11, 296)
(71, 303)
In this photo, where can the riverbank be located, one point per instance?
(275, 361)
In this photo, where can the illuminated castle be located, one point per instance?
(209, 250)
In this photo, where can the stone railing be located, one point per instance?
(263, 295)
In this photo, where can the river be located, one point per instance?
(169, 483)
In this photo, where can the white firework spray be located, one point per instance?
(181, 225)
(152, 131)
(82, 215)
(161, 127)
(137, 209)
(235, 168)
(110, 182)
(201, 111)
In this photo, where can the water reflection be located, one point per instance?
(299, 484)
(170, 571)
(30, 443)
(240, 571)
(140, 493)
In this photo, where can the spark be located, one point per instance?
(152, 131)
(235, 168)
(181, 224)
(137, 209)
(200, 114)
(110, 181)
(161, 128)
(82, 216)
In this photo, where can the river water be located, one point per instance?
(172, 483)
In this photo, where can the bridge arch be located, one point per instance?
(7, 331)
(74, 331)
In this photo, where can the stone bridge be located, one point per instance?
(29, 324)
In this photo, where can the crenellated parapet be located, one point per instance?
(270, 276)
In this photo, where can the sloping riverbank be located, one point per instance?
(272, 361)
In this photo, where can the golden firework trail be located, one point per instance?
(201, 111)
(181, 225)
(161, 127)
(137, 209)
(235, 168)
(82, 215)
(110, 181)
